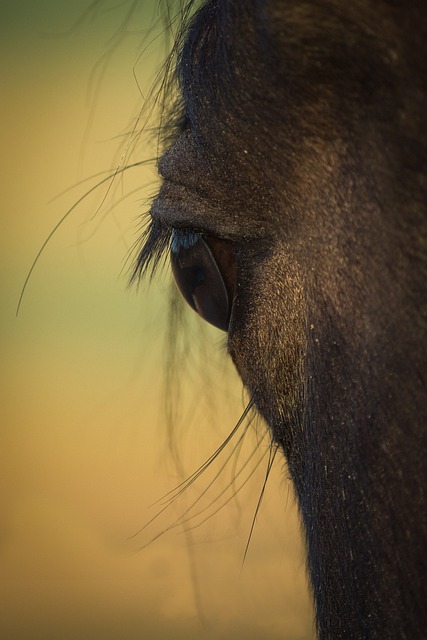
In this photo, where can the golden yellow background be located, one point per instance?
(84, 450)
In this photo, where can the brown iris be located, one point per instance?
(204, 268)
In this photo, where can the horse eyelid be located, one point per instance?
(154, 245)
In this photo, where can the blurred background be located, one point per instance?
(84, 447)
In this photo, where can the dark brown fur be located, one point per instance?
(304, 144)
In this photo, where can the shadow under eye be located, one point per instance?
(204, 271)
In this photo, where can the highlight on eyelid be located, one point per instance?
(183, 240)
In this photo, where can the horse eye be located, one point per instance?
(205, 273)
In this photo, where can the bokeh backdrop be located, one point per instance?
(84, 449)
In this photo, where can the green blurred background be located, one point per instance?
(84, 451)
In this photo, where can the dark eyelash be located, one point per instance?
(155, 242)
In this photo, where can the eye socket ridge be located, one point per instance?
(205, 269)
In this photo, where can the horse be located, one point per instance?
(293, 208)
